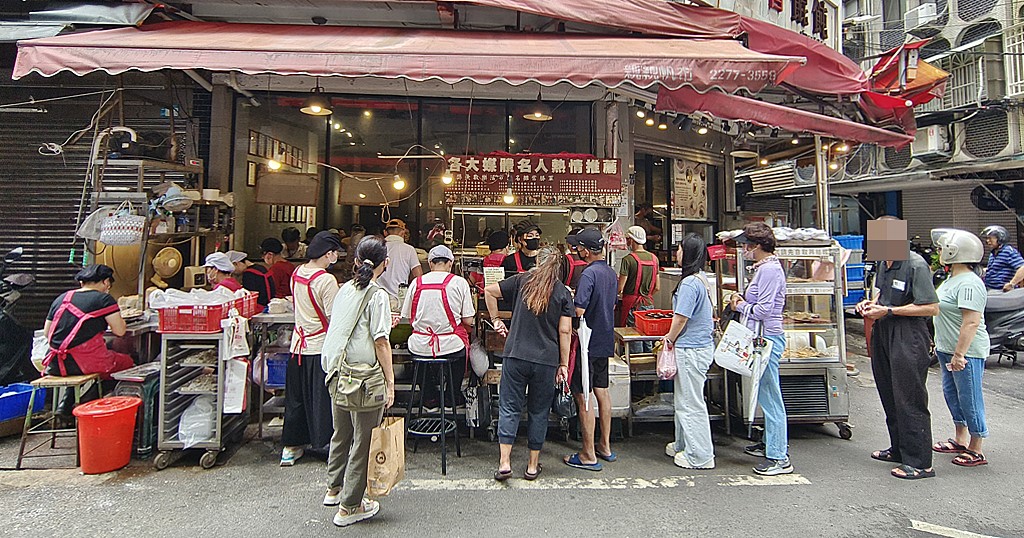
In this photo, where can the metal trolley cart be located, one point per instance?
(183, 361)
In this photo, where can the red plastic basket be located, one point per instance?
(652, 327)
(204, 319)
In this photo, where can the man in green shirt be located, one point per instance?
(638, 277)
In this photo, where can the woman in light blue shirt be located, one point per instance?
(691, 338)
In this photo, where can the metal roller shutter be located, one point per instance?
(950, 206)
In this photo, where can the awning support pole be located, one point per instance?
(821, 184)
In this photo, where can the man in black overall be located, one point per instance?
(900, 341)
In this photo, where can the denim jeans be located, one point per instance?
(528, 384)
(963, 394)
(693, 427)
(769, 397)
(639, 347)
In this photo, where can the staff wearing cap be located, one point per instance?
(74, 330)
(525, 257)
(219, 270)
(307, 405)
(1005, 268)
(280, 269)
(572, 269)
(254, 277)
(498, 243)
(638, 277)
(440, 309)
(403, 265)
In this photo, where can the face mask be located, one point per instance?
(532, 244)
(748, 254)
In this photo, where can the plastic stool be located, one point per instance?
(79, 384)
(430, 425)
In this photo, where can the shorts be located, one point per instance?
(598, 375)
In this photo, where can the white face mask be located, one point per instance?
(748, 253)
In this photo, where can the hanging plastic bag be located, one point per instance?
(478, 358)
(198, 421)
(469, 391)
(236, 330)
(667, 361)
(235, 371)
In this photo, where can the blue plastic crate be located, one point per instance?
(855, 272)
(277, 365)
(14, 400)
(853, 297)
(850, 242)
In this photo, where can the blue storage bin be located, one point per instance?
(850, 242)
(853, 297)
(14, 400)
(855, 272)
(277, 365)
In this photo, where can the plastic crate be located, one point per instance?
(14, 400)
(855, 272)
(277, 366)
(204, 319)
(850, 242)
(853, 297)
(652, 327)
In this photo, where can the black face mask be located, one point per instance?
(532, 244)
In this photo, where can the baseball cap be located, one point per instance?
(638, 234)
(220, 262)
(272, 245)
(590, 239)
(440, 252)
(236, 256)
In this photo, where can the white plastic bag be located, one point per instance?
(235, 371)
(478, 358)
(198, 421)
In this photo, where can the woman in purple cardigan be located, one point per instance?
(763, 303)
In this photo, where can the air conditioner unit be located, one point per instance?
(993, 134)
(930, 143)
(919, 16)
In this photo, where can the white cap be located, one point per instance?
(236, 256)
(439, 252)
(638, 234)
(220, 262)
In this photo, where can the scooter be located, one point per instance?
(15, 340)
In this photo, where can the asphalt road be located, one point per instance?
(837, 489)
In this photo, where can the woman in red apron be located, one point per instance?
(75, 326)
(219, 270)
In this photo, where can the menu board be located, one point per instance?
(689, 190)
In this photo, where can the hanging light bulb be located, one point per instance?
(337, 126)
(662, 124)
(833, 166)
(764, 161)
(539, 112)
(447, 178)
(509, 198)
(641, 113)
(317, 104)
(274, 164)
(399, 183)
(843, 147)
(703, 129)
(649, 122)
(361, 195)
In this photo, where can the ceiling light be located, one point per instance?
(843, 147)
(274, 164)
(649, 122)
(662, 124)
(337, 126)
(509, 198)
(641, 113)
(399, 183)
(447, 178)
(367, 114)
(348, 134)
(764, 161)
(317, 104)
(774, 133)
(539, 112)
(361, 195)
(795, 140)
(703, 129)
(511, 141)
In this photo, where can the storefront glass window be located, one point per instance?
(568, 130)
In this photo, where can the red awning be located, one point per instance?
(734, 107)
(827, 71)
(419, 55)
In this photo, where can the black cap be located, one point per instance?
(530, 228)
(497, 240)
(590, 239)
(95, 273)
(272, 245)
(321, 244)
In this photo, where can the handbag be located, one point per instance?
(357, 387)
(741, 349)
(564, 405)
(124, 227)
(667, 362)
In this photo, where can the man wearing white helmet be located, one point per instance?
(962, 343)
(1005, 268)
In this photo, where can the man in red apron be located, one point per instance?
(254, 277)
(498, 243)
(307, 405)
(638, 277)
(440, 308)
(574, 264)
(75, 326)
(219, 272)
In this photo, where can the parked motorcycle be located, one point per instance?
(15, 340)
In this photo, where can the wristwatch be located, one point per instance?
(890, 311)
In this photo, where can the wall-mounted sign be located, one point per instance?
(535, 179)
(689, 190)
(993, 197)
(287, 189)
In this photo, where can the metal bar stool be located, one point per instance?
(434, 426)
(79, 384)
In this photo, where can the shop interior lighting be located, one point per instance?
(763, 161)
(509, 198)
(337, 126)
(795, 140)
(649, 122)
(703, 129)
(317, 104)
(833, 166)
(842, 147)
(539, 111)
(399, 183)
(662, 124)
(273, 165)
(367, 114)
(361, 195)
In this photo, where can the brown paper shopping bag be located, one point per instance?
(387, 457)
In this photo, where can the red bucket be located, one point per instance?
(106, 428)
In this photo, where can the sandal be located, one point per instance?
(911, 473)
(885, 455)
(949, 446)
(533, 476)
(970, 458)
(574, 461)
(502, 476)
(609, 457)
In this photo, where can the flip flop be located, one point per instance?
(884, 455)
(502, 476)
(970, 458)
(528, 476)
(949, 446)
(610, 457)
(574, 461)
(910, 473)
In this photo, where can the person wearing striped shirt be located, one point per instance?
(1005, 269)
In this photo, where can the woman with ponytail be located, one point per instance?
(358, 339)
(536, 355)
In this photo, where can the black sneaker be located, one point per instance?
(771, 467)
(756, 450)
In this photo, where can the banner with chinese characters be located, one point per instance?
(689, 190)
(535, 179)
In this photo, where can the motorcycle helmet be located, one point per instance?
(999, 232)
(937, 234)
(959, 246)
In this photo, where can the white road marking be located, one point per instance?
(51, 477)
(944, 531)
(488, 484)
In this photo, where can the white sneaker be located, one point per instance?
(670, 449)
(290, 454)
(681, 461)
(332, 497)
(366, 510)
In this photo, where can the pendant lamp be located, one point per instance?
(317, 104)
(539, 112)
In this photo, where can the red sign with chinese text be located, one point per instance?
(776, 5)
(535, 179)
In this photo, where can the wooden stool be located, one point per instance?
(78, 383)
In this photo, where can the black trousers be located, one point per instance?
(67, 399)
(899, 361)
(307, 405)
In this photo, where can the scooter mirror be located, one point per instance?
(14, 254)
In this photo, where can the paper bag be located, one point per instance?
(236, 373)
(387, 457)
